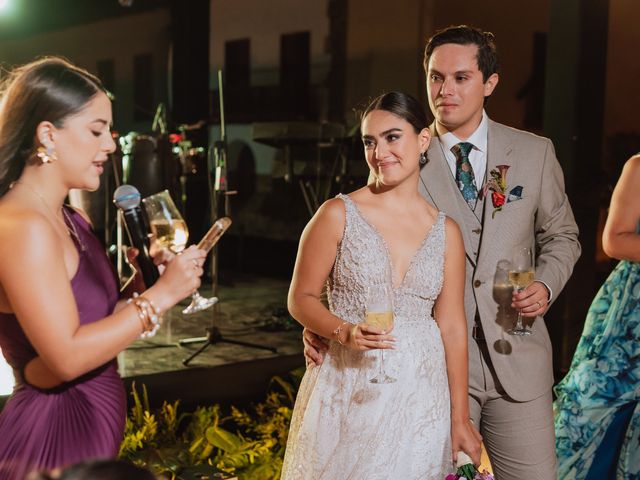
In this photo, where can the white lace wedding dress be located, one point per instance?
(344, 427)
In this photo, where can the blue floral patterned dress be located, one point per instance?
(597, 416)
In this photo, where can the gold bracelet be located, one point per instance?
(141, 315)
(148, 313)
(338, 331)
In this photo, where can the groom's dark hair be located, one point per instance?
(465, 35)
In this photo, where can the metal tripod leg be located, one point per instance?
(214, 336)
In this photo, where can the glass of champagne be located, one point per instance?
(379, 313)
(171, 232)
(521, 275)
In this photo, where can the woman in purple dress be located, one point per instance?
(62, 322)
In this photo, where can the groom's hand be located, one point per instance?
(532, 301)
(314, 348)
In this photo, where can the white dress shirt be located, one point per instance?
(477, 156)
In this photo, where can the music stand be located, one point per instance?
(219, 206)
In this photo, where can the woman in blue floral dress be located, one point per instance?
(597, 414)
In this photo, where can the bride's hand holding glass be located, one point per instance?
(373, 332)
(362, 336)
(379, 320)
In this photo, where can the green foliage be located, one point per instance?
(249, 444)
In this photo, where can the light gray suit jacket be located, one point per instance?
(542, 218)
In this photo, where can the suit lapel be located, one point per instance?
(499, 148)
(439, 186)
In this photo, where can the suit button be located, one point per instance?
(477, 283)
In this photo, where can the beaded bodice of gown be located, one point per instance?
(363, 259)
(345, 427)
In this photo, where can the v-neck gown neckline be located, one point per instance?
(385, 244)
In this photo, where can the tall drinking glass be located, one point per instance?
(198, 302)
(379, 313)
(521, 275)
(170, 231)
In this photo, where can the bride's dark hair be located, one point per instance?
(50, 89)
(403, 105)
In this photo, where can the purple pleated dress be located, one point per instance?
(78, 420)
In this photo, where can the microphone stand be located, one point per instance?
(219, 206)
(119, 230)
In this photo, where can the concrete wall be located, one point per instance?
(513, 24)
(623, 71)
(119, 39)
(385, 45)
(384, 48)
(263, 22)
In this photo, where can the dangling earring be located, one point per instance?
(46, 155)
(423, 158)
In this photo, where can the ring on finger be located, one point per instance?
(539, 304)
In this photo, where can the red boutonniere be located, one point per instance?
(497, 184)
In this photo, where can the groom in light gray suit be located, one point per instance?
(505, 189)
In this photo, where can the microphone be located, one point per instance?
(127, 199)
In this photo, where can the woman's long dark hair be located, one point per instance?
(50, 89)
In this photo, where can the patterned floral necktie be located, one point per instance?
(464, 173)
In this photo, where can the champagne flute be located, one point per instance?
(167, 225)
(171, 231)
(379, 313)
(521, 275)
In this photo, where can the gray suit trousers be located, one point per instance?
(519, 436)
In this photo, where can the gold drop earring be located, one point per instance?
(46, 155)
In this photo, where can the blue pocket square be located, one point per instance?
(514, 194)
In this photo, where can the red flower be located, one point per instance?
(498, 199)
(175, 138)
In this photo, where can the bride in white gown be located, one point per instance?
(344, 426)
